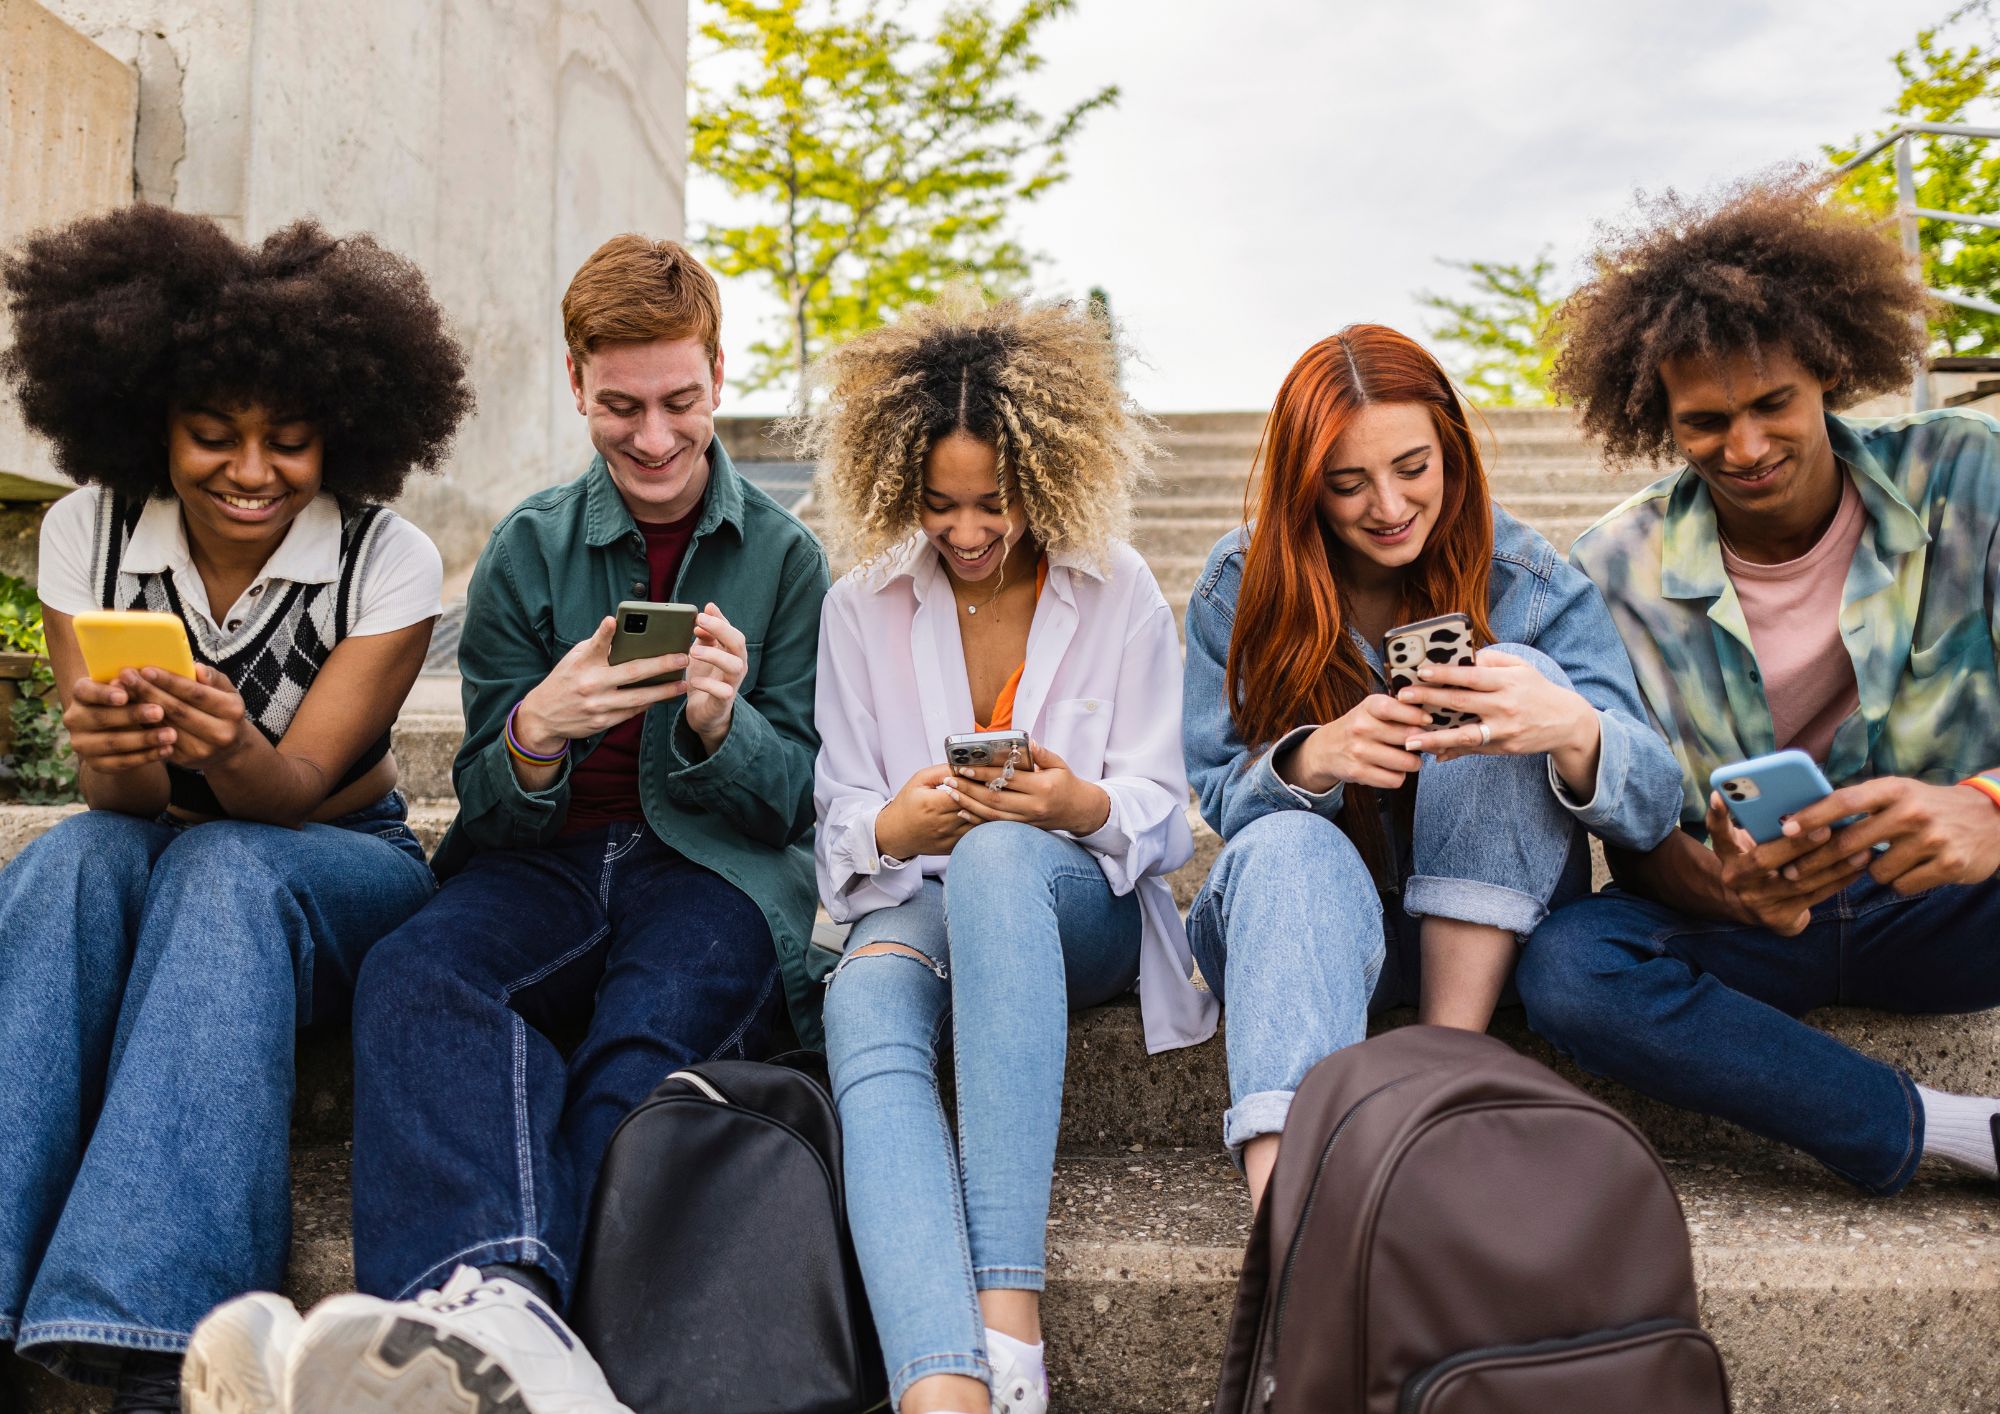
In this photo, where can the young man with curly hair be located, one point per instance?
(245, 844)
(1806, 581)
(627, 889)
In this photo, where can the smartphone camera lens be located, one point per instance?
(635, 623)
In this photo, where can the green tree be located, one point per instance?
(1497, 337)
(881, 164)
(1948, 76)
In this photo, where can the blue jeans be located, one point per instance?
(1293, 936)
(475, 1139)
(1023, 929)
(152, 976)
(1703, 1013)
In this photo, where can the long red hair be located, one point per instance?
(1291, 658)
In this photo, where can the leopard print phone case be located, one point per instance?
(1444, 639)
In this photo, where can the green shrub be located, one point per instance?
(44, 769)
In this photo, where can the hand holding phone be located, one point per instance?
(649, 630)
(1445, 640)
(1776, 881)
(1761, 792)
(922, 818)
(585, 694)
(112, 640)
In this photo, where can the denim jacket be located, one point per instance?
(1536, 600)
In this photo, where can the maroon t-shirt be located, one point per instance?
(604, 786)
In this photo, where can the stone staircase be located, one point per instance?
(1820, 1299)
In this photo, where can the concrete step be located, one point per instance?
(1820, 1300)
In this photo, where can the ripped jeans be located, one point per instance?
(1023, 929)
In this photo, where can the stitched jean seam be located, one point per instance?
(966, 1363)
(756, 1010)
(431, 1276)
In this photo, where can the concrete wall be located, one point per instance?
(495, 142)
(66, 131)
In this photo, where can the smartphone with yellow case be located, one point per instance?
(113, 640)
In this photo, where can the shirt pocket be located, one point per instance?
(1951, 648)
(1078, 729)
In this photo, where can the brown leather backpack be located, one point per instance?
(1454, 1229)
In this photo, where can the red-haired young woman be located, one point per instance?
(1372, 858)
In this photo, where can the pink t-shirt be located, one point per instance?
(1793, 610)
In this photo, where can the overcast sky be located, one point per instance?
(1278, 168)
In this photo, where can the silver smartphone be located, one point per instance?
(989, 749)
(648, 630)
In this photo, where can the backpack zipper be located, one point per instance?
(1298, 1237)
(688, 1077)
(1413, 1394)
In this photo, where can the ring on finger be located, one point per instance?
(1485, 735)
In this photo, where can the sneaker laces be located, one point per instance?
(148, 1384)
(464, 1281)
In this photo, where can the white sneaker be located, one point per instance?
(476, 1347)
(236, 1359)
(1015, 1391)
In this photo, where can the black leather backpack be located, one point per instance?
(718, 1274)
(1453, 1228)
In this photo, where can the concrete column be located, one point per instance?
(66, 129)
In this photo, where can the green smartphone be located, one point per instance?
(647, 630)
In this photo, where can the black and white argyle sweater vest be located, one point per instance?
(272, 654)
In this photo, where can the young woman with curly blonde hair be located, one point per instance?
(982, 460)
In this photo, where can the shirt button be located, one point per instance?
(639, 586)
(235, 624)
(1090, 706)
(1754, 677)
(255, 590)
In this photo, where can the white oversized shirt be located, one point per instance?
(1101, 687)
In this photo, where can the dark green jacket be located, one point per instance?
(556, 566)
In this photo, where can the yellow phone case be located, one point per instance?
(115, 639)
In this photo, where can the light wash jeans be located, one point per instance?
(1292, 934)
(152, 976)
(1023, 928)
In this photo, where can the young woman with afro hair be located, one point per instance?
(982, 459)
(235, 416)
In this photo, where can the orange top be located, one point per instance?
(1003, 705)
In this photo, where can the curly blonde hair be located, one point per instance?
(1037, 382)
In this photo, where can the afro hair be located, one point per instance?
(1767, 264)
(120, 318)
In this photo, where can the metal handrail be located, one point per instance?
(1908, 213)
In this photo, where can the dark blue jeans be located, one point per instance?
(1703, 1013)
(152, 974)
(475, 1139)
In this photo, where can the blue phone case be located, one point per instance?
(1761, 792)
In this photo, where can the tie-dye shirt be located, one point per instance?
(1916, 612)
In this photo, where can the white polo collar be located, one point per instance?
(309, 553)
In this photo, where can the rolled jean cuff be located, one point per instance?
(1474, 901)
(1009, 1278)
(1254, 1116)
(924, 1366)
